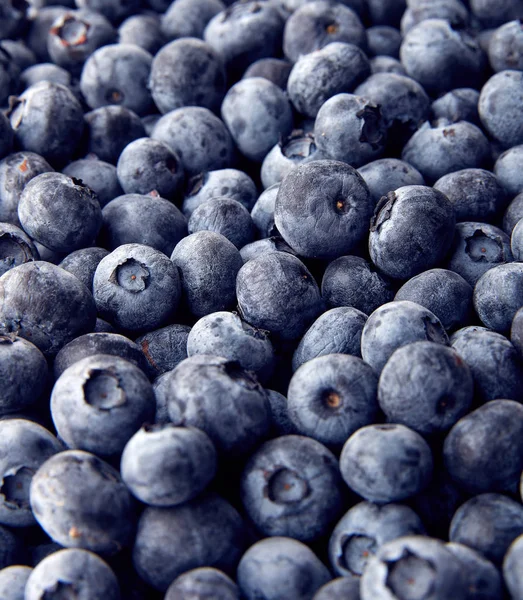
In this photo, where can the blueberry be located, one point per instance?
(386, 64)
(332, 396)
(506, 47)
(496, 13)
(16, 247)
(323, 209)
(46, 72)
(23, 369)
(484, 579)
(363, 529)
(225, 216)
(383, 40)
(9, 77)
(164, 348)
(187, 72)
(444, 293)
(188, 18)
(504, 122)
(39, 28)
(516, 241)
(244, 32)
(388, 174)
(513, 214)
(292, 486)
(386, 463)
(441, 58)
(477, 248)
(351, 129)
(24, 447)
(109, 129)
(277, 293)
(337, 330)
(412, 567)
(20, 53)
(136, 287)
(482, 451)
(90, 344)
(512, 569)
(46, 304)
(281, 423)
(516, 331)
(143, 30)
(82, 264)
(460, 104)
(80, 501)
(426, 387)
(218, 396)
(341, 588)
(275, 70)
(318, 23)
(281, 567)
(205, 583)
(72, 571)
(257, 113)
(98, 175)
(208, 265)
(118, 74)
(442, 149)
(265, 246)
(222, 183)
(498, 295)
(508, 170)
(61, 213)
(225, 334)
(352, 281)
(199, 138)
(386, 12)
(114, 10)
(47, 119)
(13, 581)
(338, 67)
(262, 212)
(394, 325)
(73, 37)
(452, 11)
(204, 532)
(164, 465)
(488, 523)
(139, 219)
(403, 102)
(495, 364)
(145, 165)
(16, 170)
(297, 148)
(99, 402)
(411, 231)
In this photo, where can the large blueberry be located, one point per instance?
(99, 402)
(411, 231)
(388, 174)
(208, 264)
(277, 293)
(386, 463)
(80, 501)
(396, 324)
(218, 396)
(98, 175)
(425, 386)
(332, 396)
(136, 287)
(45, 304)
(323, 209)
(204, 532)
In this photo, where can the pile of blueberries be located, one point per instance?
(261, 300)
